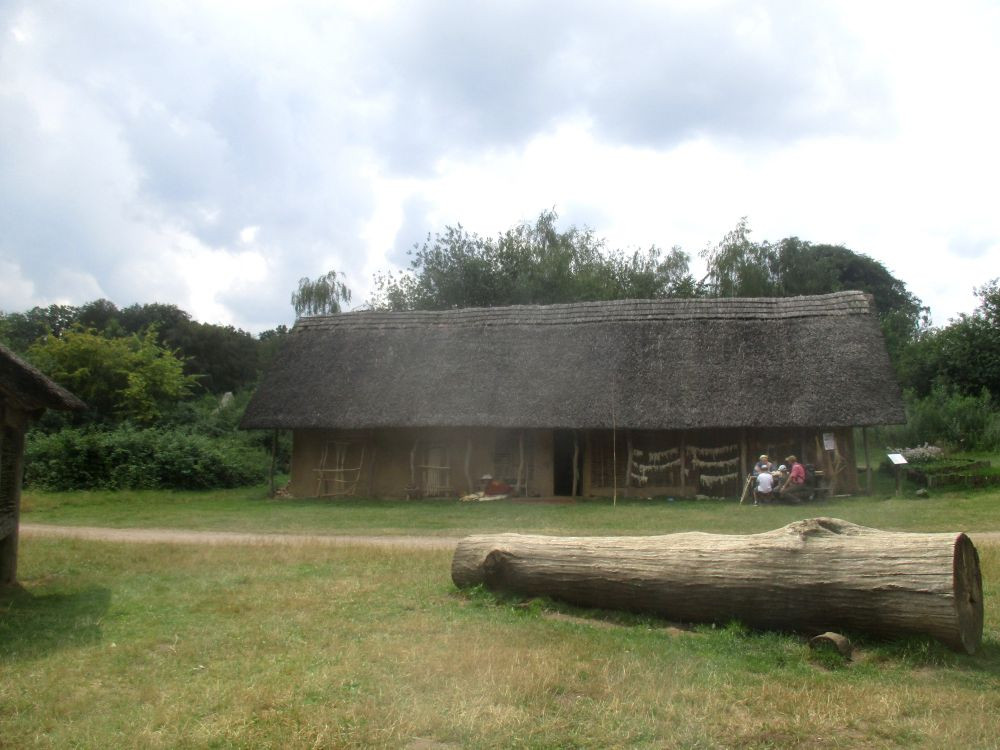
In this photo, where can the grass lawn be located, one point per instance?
(114, 645)
(249, 509)
(157, 646)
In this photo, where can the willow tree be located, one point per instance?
(322, 296)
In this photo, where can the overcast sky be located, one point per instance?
(209, 154)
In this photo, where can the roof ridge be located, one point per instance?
(611, 311)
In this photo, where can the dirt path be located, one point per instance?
(185, 536)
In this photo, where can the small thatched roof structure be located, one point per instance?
(25, 387)
(639, 364)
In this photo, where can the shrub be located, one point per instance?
(945, 416)
(131, 458)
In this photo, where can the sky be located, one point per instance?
(210, 154)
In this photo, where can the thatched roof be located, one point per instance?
(641, 364)
(28, 389)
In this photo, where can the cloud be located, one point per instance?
(463, 77)
(149, 147)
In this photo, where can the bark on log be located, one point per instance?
(810, 576)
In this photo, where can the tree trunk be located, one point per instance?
(813, 575)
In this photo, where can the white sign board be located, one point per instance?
(829, 442)
(896, 458)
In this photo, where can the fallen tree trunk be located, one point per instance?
(811, 576)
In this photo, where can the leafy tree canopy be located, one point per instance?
(528, 264)
(964, 356)
(322, 296)
(740, 267)
(130, 377)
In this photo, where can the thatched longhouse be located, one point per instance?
(635, 397)
(25, 393)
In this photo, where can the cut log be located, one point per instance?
(810, 576)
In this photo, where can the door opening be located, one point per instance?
(562, 463)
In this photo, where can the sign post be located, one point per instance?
(898, 461)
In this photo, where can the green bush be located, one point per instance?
(127, 457)
(945, 416)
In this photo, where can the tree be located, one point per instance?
(320, 297)
(739, 267)
(119, 378)
(531, 263)
(964, 356)
(20, 330)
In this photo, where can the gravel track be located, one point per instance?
(186, 536)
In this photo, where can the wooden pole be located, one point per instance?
(683, 459)
(371, 469)
(468, 458)
(520, 464)
(576, 459)
(11, 475)
(814, 575)
(628, 465)
(744, 452)
(274, 458)
(413, 464)
(868, 459)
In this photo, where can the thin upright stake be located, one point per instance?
(614, 452)
(274, 453)
(868, 459)
(576, 458)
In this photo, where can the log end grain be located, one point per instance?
(968, 586)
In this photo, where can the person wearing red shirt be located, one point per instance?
(796, 479)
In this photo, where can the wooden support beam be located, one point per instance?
(576, 460)
(520, 464)
(868, 460)
(468, 459)
(744, 453)
(683, 459)
(11, 475)
(413, 463)
(628, 465)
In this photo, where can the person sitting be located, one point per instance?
(763, 490)
(762, 465)
(795, 483)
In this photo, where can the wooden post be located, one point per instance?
(813, 575)
(274, 458)
(468, 458)
(520, 464)
(576, 459)
(683, 459)
(11, 474)
(413, 464)
(744, 452)
(868, 459)
(371, 468)
(628, 465)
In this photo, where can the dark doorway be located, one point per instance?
(562, 463)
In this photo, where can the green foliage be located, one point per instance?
(131, 458)
(739, 267)
(963, 356)
(119, 378)
(528, 264)
(20, 330)
(950, 417)
(320, 297)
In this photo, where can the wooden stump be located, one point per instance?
(812, 576)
